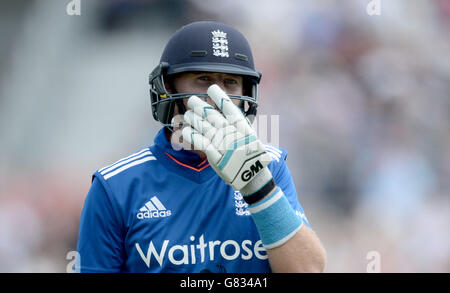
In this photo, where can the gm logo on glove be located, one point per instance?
(248, 174)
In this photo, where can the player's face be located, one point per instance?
(198, 82)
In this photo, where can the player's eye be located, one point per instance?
(230, 81)
(203, 78)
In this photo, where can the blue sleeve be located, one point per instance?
(283, 179)
(100, 241)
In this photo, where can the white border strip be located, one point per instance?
(132, 155)
(274, 155)
(273, 152)
(273, 148)
(125, 162)
(266, 204)
(109, 175)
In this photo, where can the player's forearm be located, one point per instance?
(303, 253)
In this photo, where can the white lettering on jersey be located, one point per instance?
(151, 250)
(229, 250)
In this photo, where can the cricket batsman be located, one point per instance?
(207, 196)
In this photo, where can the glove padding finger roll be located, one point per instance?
(232, 113)
(201, 143)
(219, 137)
(200, 124)
(207, 112)
(229, 142)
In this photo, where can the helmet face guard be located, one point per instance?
(163, 102)
(203, 46)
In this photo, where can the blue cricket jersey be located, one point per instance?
(163, 210)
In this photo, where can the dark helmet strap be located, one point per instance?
(178, 102)
(181, 107)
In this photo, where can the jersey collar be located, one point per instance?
(183, 162)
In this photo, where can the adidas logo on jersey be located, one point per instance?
(153, 209)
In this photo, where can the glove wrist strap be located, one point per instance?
(259, 187)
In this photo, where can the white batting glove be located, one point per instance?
(228, 140)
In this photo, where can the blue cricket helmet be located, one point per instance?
(204, 46)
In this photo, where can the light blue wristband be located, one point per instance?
(275, 219)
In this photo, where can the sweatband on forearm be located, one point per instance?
(275, 219)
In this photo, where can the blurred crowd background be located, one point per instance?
(363, 104)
